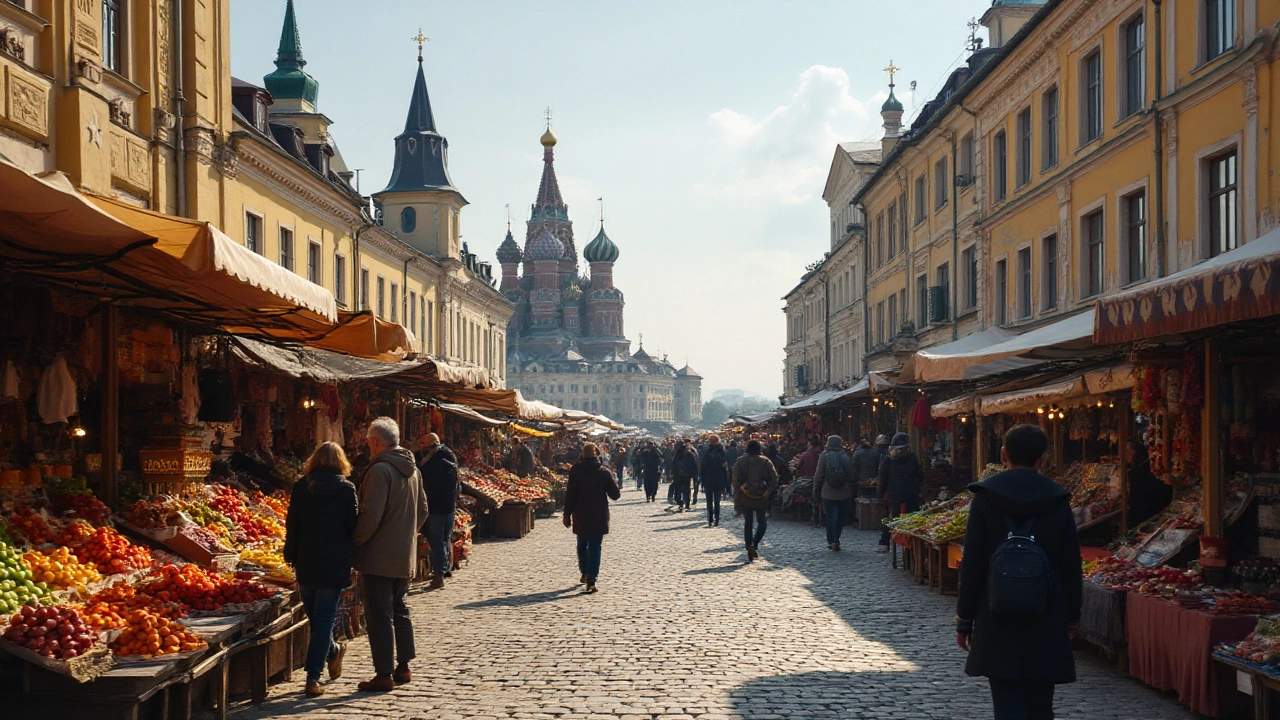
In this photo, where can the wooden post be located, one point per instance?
(1059, 448)
(1210, 447)
(979, 446)
(110, 402)
(1123, 441)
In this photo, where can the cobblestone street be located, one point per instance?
(683, 628)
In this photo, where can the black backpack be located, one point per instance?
(1020, 578)
(835, 475)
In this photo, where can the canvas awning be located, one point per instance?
(962, 405)
(1031, 398)
(467, 413)
(1243, 284)
(536, 409)
(1062, 339)
(360, 334)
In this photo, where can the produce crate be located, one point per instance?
(870, 512)
(513, 520)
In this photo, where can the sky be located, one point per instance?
(708, 127)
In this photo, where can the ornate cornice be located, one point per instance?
(265, 165)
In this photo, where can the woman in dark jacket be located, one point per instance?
(317, 542)
(651, 467)
(1022, 656)
(900, 480)
(586, 510)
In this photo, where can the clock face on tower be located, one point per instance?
(408, 219)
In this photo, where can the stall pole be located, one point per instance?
(1123, 441)
(1059, 447)
(110, 402)
(1210, 456)
(979, 446)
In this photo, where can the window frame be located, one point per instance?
(967, 158)
(286, 254)
(1000, 165)
(1132, 72)
(1094, 278)
(254, 241)
(1128, 228)
(339, 278)
(113, 45)
(891, 228)
(1092, 106)
(380, 299)
(943, 274)
(922, 298)
(1051, 122)
(1022, 153)
(1229, 191)
(395, 301)
(315, 261)
(364, 288)
(1049, 270)
(1212, 33)
(971, 276)
(1023, 298)
(921, 192)
(1000, 292)
(940, 184)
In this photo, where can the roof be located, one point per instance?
(601, 249)
(509, 250)
(862, 152)
(688, 372)
(289, 80)
(422, 153)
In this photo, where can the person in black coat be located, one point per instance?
(586, 510)
(318, 544)
(1023, 657)
(651, 463)
(713, 469)
(439, 469)
(900, 480)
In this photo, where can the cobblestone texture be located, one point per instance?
(683, 628)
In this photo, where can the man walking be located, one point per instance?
(754, 480)
(1015, 626)
(684, 473)
(833, 487)
(393, 507)
(866, 461)
(900, 480)
(440, 483)
(651, 469)
(713, 469)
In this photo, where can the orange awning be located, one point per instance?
(359, 334)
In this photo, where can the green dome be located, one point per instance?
(601, 249)
(289, 80)
(891, 104)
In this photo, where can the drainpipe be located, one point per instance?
(355, 260)
(826, 325)
(955, 242)
(1158, 151)
(179, 103)
(866, 273)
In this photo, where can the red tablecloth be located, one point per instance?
(1170, 648)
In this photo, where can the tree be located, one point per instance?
(714, 413)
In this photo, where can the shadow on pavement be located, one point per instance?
(521, 600)
(718, 570)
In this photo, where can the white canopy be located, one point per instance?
(1058, 339)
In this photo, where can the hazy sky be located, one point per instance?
(707, 126)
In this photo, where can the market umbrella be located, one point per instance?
(920, 415)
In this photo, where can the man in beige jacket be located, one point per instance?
(393, 507)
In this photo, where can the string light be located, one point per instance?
(78, 431)
(1040, 410)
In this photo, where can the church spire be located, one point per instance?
(422, 153)
(289, 82)
(549, 197)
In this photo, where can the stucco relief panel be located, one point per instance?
(27, 103)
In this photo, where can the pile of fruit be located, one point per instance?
(148, 634)
(53, 632)
(939, 522)
(123, 597)
(255, 527)
(17, 587)
(1235, 602)
(31, 526)
(267, 557)
(83, 507)
(152, 514)
(105, 549)
(58, 568)
(278, 502)
(203, 538)
(1116, 573)
(483, 485)
(103, 616)
(200, 589)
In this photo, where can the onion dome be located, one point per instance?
(601, 249)
(544, 246)
(549, 139)
(573, 293)
(891, 103)
(509, 251)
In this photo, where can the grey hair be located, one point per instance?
(386, 430)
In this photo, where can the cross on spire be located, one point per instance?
(892, 69)
(601, 199)
(547, 115)
(420, 39)
(508, 217)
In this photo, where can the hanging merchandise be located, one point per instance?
(1156, 450)
(920, 415)
(56, 395)
(12, 381)
(190, 403)
(329, 428)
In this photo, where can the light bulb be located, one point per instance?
(79, 432)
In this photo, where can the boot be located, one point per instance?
(751, 553)
(437, 581)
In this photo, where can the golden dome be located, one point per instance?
(548, 138)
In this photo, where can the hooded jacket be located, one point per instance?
(751, 469)
(901, 477)
(651, 460)
(822, 489)
(866, 460)
(586, 497)
(392, 508)
(318, 527)
(440, 481)
(713, 468)
(1005, 647)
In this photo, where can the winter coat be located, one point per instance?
(826, 461)
(684, 465)
(867, 462)
(393, 507)
(753, 467)
(807, 464)
(731, 455)
(586, 497)
(900, 478)
(780, 466)
(1005, 647)
(523, 461)
(440, 481)
(318, 527)
(651, 461)
(714, 469)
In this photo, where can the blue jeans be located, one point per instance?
(321, 605)
(835, 510)
(712, 498)
(440, 537)
(589, 556)
(757, 517)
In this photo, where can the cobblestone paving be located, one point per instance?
(683, 628)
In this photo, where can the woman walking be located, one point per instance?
(754, 480)
(651, 469)
(586, 510)
(318, 527)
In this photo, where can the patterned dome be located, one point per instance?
(509, 251)
(601, 249)
(544, 246)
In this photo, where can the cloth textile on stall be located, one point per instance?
(12, 381)
(1170, 648)
(1102, 616)
(56, 394)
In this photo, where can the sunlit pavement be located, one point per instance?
(683, 627)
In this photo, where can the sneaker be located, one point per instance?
(335, 660)
(380, 683)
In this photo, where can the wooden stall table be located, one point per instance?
(1262, 681)
(1171, 647)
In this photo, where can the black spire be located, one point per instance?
(422, 153)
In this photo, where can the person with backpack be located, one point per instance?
(900, 480)
(684, 472)
(754, 480)
(713, 469)
(1020, 582)
(833, 485)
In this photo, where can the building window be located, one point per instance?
(1135, 42)
(1024, 283)
(880, 322)
(413, 312)
(969, 261)
(364, 288)
(112, 35)
(395, 301)
(1091, 97)
(1220, 27)
(893, 229)
(1000, 166)
(408, 220)
(422, 330)
(1135, 237)
(286, 248)
(1224, 231)
(253, 232)
(880, 256)
(1024, 147)
(1049, 133)
(940, 310)
(940, 183)
(1049, 283)
(966, 159)
(1002, 292)
(921, 187)
(922, 301)
(313, 262)
(893, 316)
(382, 297)
(1095, 257)
(340, 279)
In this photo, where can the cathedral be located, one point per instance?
(566, 343)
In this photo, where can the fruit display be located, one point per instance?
(82, 507)
(483, 486)
(255, 527)
(939, 522)
(200, 589)
(17, 587)
(148, 634)
(152, 514)
(32, 526)
(106, 549)
(59, 569)
(53, 632)
(265, 557)
(278, 502)
(124, 597)
(1236, 602)
(103, 616)
(57, 487)
(1116, 573)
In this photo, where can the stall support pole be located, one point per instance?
(979, 446)
(110, 402)
(1211, 450)
(1059, 447)
(1122, 439)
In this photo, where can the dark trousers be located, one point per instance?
(440, 537)
(387, 622)
(695, 492)
(321, 605)
(896, 508)
(681, 489)
(589, 547)
(651, 486)
(837, 511)
(712, 499)
(757, 517)
(1022, 699)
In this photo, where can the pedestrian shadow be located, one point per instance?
(718, 570)
(727, 549)
(687, 526)
(521, 600)
(826, 695)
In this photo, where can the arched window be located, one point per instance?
(408, 219)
